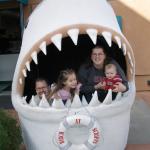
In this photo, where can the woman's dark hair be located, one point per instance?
(40, 79)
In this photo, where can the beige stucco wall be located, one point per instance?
(136, 27)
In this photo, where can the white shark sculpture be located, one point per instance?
(77, 126)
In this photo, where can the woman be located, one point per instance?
(91, 75)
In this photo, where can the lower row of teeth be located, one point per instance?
(75, 103)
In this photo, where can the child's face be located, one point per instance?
(71, 82)
(110, 72)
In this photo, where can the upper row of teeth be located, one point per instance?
(76, 103)
(73, 34)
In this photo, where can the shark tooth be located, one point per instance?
(118, 97)
(94, 101)
(73, 33)
(107, 36)
(92, 34)
(32, 102)
(129, 55)
(34, 57)
(57, 103)
(84, 101)
(76, 103)
(130, 60)
(124, 48)
(20, 80)
(56, 39)
(24, 73)
(43, 47)
(24, 100)
(108, 98)
(68, 103)
(28, 65)
(118, 40)
(131, 71)
(44, 103)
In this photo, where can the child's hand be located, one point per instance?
(78, 88)
(100, 85)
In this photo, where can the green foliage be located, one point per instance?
(10, 137)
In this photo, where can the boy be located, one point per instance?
(112, 78)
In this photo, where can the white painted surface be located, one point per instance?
(39, 125)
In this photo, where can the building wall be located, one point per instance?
(136, 27)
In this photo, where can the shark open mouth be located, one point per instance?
(69, 50)
(65, 41)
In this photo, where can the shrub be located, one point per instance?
(10, 137)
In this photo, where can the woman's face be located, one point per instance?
(98, 56)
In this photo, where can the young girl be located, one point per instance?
(66, 86)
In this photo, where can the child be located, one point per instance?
(66, 86)
(112, 78)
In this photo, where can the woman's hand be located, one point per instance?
(119, 87)
(100, 85)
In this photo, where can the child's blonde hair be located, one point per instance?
(108, 66)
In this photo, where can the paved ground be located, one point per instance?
(140, 123)
(139, 134)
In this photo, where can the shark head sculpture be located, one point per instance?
(56, 30)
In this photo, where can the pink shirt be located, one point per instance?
(63, 94)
